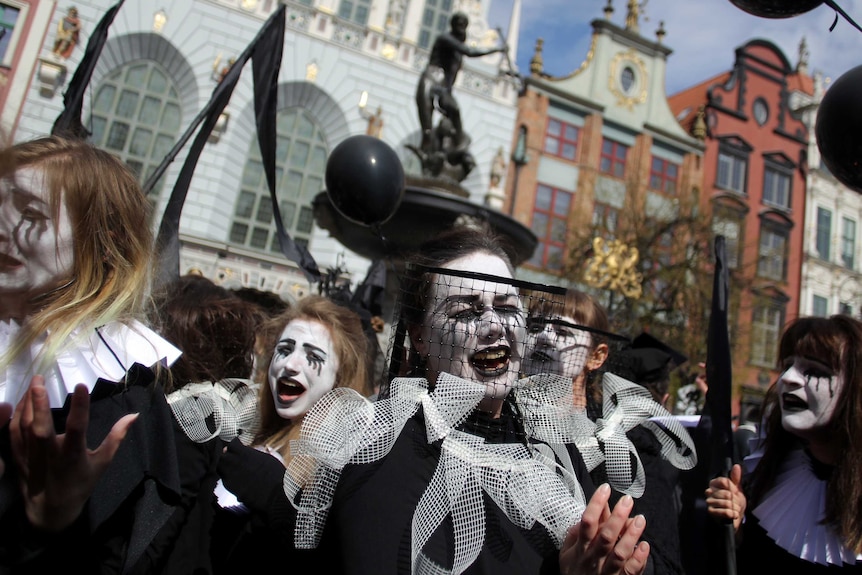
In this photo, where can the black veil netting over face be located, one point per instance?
(534, 331)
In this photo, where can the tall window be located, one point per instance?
(824, 232)
(848, 242)
(845, 308)
(773, 252)
(731, 171)
(765, 329)
(605, 217)
(435, 20)
(550, 214)
(664, 176)
(355, 11)
(725, 224)
(301, 162)
(776, 187)
(561, 139)
(613, 159)
(8, 19)
(136, 115)
(819, 306)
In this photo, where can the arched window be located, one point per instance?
(300, 166)
(136, 115)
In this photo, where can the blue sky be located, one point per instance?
(702, 34)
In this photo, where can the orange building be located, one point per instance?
(595, 149)
(754, 187)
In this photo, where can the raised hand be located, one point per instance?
(58, 473)
(725, 499)
(605, 542)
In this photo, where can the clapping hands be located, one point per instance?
(605, 542)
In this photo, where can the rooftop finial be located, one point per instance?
(609, 9)
(537, 66)
(802, 65)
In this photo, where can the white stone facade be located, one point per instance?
(831, 282)
(328, 62)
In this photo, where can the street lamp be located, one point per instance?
(519, 157)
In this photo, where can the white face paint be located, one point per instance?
(303, 368)
(557, 347)
(475, 329)
(808, 391)
(36, 252)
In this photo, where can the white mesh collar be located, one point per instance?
(546, 402)
(226, 409)
(344, 427)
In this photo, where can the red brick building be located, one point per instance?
(754, 169)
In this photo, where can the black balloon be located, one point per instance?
(365, 180)
(776, 8)
(838, 128)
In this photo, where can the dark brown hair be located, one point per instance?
(213, 328)
(837, 342)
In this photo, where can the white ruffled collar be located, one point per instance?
(528, 484)
(107, 352)
(791, 511)
(345, 428)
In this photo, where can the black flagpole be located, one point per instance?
(68, 123)
(717, 409)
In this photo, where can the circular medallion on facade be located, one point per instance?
(627, 80)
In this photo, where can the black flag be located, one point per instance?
(266, 61)
(168, 240)
(709, 546)
(267, 46)
(68, 123)
(716, 416)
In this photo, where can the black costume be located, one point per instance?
(371, 525)
(150, 511)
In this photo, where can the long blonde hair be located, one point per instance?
(112, 242)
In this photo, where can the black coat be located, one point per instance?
(369, 527)
(151, 510)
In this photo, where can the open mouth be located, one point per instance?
(793, 403)
(288, 390)
(541, 357)
(491, 361)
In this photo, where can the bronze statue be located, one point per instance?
(435, 91)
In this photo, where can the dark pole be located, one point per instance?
(519, 157)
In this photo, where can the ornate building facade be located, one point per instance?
(349, 67)
(755, 167)
(599, 157)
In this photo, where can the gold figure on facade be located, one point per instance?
(66, 38)
(614, 267)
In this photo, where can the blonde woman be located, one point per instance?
(92, 481)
